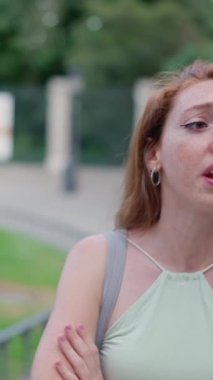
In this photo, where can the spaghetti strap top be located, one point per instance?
(167, 334)
(156, 262)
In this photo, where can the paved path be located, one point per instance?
(33, 201)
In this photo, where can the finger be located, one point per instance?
(64, 372)
(76, 362)
(87, 338)
(81, 341)
(81, 330)
(83, 344)
(65, 350)
(76, 341)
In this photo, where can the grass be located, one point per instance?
(20, 358)
(29, 273)
(29, 262)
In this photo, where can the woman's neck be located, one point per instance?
(181, 244)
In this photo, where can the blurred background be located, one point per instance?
(74, 78)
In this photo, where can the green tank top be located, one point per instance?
(167, 334)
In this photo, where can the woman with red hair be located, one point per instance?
(161, 325)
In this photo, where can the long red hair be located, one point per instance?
(141, 204)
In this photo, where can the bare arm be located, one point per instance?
(78, 301)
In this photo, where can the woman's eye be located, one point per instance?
(197, 125)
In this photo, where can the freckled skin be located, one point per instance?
(185, 154)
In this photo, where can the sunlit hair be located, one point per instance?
(141, 204)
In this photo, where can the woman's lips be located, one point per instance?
(209, 180)
(208, 172)
(208, 175)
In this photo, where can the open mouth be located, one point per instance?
(209, 174)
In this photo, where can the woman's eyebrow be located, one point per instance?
(199, 107)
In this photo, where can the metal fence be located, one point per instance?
(29, 129)
(104, 118)
(17, 346)
(29, 122)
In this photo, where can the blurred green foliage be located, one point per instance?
(122, 40)
(108, 41)
(189, 54)
(35, 36)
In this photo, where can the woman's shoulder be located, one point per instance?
(90, 243)
(86, 263)
(90, 250)
(94, 249)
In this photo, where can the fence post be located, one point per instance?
(4, 361)
(60, 107)
(142, 90)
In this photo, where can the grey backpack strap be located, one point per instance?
(117, 249)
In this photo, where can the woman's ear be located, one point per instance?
(152, 155)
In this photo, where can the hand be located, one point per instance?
(81, 356)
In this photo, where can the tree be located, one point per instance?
(187, 55)
(121, 41)
(34, 38)
(108, 41)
